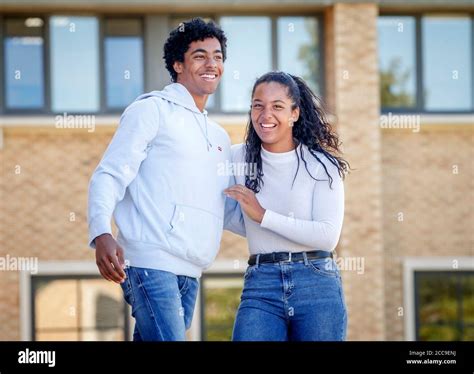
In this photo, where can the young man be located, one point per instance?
(159, 179)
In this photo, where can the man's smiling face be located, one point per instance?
(202, 68)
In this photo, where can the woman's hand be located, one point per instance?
(247, 200)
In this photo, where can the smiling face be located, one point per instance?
(273, 116)
(202, 68)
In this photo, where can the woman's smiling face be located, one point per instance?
(273, 116)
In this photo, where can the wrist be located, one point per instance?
(102, 237)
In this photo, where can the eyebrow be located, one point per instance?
(274, 101)
(204, 51)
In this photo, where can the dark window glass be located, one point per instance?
(123, 62)
(23, 45)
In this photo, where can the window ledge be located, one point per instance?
(229, 119)
(225, 119)
(50, 121)
(415, 122)
(447, 119)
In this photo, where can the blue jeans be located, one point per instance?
(162, 303)
(297, 301)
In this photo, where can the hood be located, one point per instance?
(177, 94)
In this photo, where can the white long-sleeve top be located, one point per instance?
(305, 216)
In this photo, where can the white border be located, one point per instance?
(412, 264)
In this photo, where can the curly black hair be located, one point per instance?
(312, 129)
(182, 36)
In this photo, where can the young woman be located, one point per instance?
(290, 206)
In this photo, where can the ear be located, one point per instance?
(295, 114)
(178, 67)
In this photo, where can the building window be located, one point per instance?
(426, 63)
(444, 305)
(290, 43)
(447, 63)
(397, 62)
(24, 57)
(123, 45)
(220, 298)
(246, 61)
(74, 55)
(77, 308)
(94, 65)
(299, 50)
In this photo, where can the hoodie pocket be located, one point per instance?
(195, 234)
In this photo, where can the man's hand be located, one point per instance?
(247, 200)
(109, 258)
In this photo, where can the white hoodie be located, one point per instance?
(159, 178)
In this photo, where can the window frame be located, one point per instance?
(457, 275)
(103, 78)
(61, 269)
(235, 268)
(2, 57)
(419, 107)
(46, 110)
(46, 78)
(79, 330)
(202, 295)
(413, 264)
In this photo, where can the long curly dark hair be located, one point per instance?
(312, 129)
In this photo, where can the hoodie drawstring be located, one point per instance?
(205, 134)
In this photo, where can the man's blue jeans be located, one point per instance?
(162, 303)
(292, 301)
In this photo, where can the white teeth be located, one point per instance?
(208, 76)
(268, 125)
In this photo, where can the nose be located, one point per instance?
(211, 62)
(266, 113)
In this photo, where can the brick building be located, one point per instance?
(397, 76)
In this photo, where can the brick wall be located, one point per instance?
(353, 97)
(436, 204)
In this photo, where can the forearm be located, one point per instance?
(233, 218)
(322, 235)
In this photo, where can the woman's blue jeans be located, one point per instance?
(292, 301)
